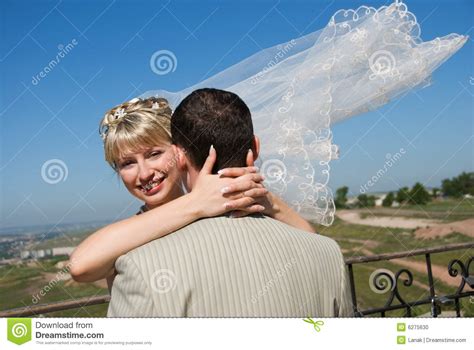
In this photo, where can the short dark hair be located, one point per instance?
(213, 117)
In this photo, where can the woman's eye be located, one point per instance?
(125, 164)
(155, 153)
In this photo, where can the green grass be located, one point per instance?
(447, 205)
(443, 259)
(21, 285)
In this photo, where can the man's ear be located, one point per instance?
(256, 147)
(252, 156)
(180, 157)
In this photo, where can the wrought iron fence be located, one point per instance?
(36, 310)
(395, 300)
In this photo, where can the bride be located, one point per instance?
(296, 90)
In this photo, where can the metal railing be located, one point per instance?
(395, 301)
(455, 267)
(36, 310)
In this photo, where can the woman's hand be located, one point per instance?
(236, 190)
(260, 195)
(257, 196)
(273, 206)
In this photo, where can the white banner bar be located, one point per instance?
(367, 333)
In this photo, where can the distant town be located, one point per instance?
(18, 244)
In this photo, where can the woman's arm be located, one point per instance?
(275, 207)
(95, 257)
(280, 211)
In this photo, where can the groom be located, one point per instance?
(253, 266)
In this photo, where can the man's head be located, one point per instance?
(213, 117)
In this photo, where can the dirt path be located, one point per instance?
(465, 227)
(353, 217)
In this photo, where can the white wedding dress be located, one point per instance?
(361, 60)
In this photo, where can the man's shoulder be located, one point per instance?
(253, 227)
(176, 239)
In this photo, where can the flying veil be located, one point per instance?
(296, 90)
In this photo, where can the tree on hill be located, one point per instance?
(366, 201)
(419, 195)
(388, 200)
(341, 197)
(402, 195)
(459, 185)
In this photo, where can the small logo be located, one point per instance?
(19, 330)
(54, 171)
(381, 281)
(382, 63)
(401, 327)
(316, 324)
(401, 339)
(274, 171)
(163, 281)
(163, 62)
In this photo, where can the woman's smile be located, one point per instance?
(153, 186)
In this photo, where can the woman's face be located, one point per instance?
(151, 175)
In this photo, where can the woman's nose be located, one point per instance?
(145, 172)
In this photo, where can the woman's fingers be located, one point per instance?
(256, 192)
(255, 208)
(239, 203)
(210, 161)
(236, 189)
(249, 182)
(257, 177)
(236, 172)
(253, 193)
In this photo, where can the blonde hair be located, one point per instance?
(134, 125)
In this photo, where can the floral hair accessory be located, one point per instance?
(117, 116)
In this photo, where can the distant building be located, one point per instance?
(379, 199)
(43, 253)
(351, 201)
(63, 251)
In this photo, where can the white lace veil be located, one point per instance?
(361, 60)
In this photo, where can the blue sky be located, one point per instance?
(57, 117)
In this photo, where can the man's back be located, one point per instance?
(224, 267)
